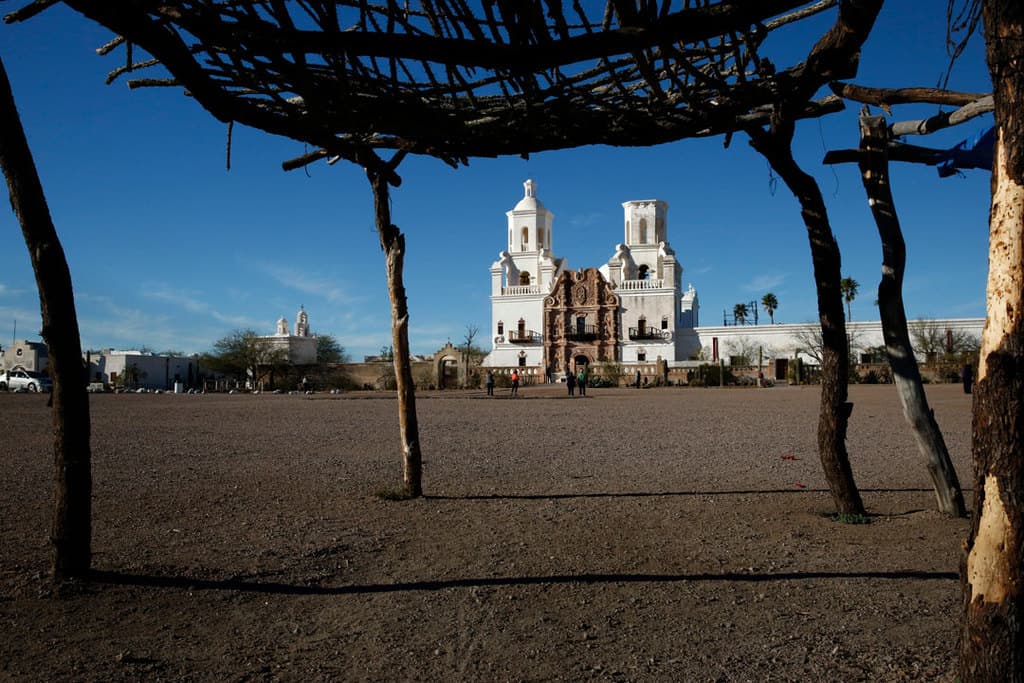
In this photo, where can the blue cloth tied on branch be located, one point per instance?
(974, 152)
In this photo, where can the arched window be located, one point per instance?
(643, 231)
(524, 278)
(525, 241)
(501, 328)
(540, 238)
(643, 272)
(522, 328)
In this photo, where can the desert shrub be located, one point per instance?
(712, 377)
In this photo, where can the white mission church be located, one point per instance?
(632, 310)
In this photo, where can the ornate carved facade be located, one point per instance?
(581, 320)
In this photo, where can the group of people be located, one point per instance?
(578, 380)
(571, 380)
(514, 378)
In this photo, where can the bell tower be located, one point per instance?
(529, 223)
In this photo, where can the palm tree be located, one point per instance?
(848, 286)
(740, 313)
(769, 303)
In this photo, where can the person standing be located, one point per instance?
(967, 375)
(515, 382)
(490, 383)
(637, 379)
(570, 381)
(581, 379)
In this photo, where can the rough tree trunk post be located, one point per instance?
(393, 243)
(775, 146)
(71, 534)
(992, 573)
(874, 170)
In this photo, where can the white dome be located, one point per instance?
(529, 202)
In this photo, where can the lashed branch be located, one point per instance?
(885, 97)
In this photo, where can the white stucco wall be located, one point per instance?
(782, 341)
(155, 372)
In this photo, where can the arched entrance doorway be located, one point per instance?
(448, 373)
(580, 361)
(448, 370)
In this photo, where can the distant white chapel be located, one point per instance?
(299, 346)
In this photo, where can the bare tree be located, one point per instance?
(744, 348)
(930, 338)
(71, 532)
(809, 341)
(775, 144)
(992, 575)
(471, 332)
(874, 168)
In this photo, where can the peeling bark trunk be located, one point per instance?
(835, 411)
(71, 533)
(393, 243)
(992, 575)
(874, 170)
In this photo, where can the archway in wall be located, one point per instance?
(580, 361)
(446, 367)
(448, 373)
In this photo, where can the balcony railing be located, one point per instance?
(524, 337)
(581, 332)
(649, 333)
(658, 283)
(520, 290)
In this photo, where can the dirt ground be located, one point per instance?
(632, 535)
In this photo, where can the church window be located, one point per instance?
(522, 360)
(522, 327)
(524, 278)
(501, 328)
(581, 324)
(641, 325)
(643, 231)
(641, 356)
(643, 272)
(526, 238)
(664, 322)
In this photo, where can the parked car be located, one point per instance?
(25, 380)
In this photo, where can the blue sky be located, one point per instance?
(169, 250)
